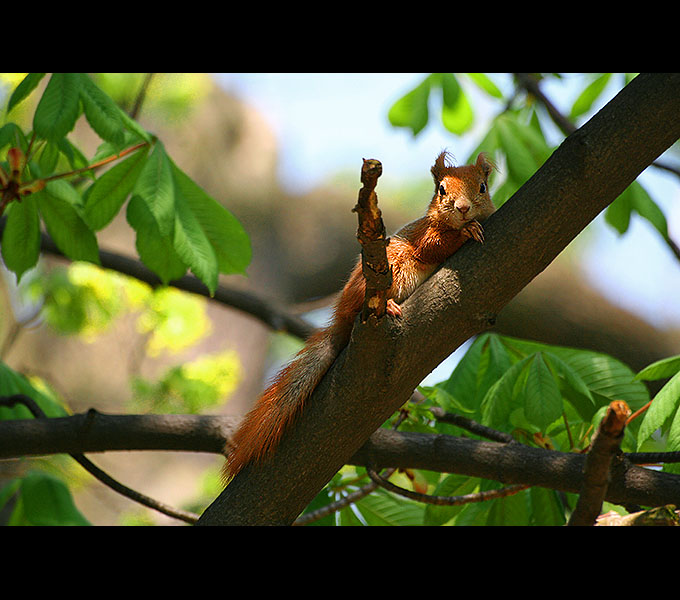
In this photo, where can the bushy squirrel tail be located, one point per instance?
(262, 428)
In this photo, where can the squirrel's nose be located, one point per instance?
(463, 207)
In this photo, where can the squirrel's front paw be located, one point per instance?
(474, 230)
(393, 309)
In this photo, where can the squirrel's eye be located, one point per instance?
(482, 188)
(442, 191)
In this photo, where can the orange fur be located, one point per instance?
(461, 199)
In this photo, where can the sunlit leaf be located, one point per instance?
(660, 369)
(23, 90)
(589, 95)
(411, 110)
(457, 115)
(663, 407)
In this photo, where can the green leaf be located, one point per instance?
(673, 441)
(575, 389)
(11, 134)
(462, 384)
(108, 193)
(59, 107)
(662, 408)
(523, 144)
(635, 199)
(521, 163)
(205, 237)
(193, 246)
(155, 186)
(74, 156)
(451, 485)
(59, 205)
(457, 114)
(509, 511)
(135, 128)
(154, 249)
(49, 157)
(21, 238)
(226, 235)
(46, 501)
(546, 508)
(27, 85)
(8, 490)
(661, 369)
(12, 383)
(101, 111)
(618, 213)
(501, 399)
(411, 110)
(542, 400)
(604, 375)
(482, 80)
(383, 509)
(589, 95)
(495, 362)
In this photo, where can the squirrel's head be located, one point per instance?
(461, 194)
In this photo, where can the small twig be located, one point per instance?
(596, 471)
(531, 85)
(371, 235)
(472, 426)
(96, 472)
(638, 412)
(141, 95)
(355, 496)
(446, 500)
(339, 504)
(98, 164)
(652, 458)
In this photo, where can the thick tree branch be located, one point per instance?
(98, 473)
(95, 432)
(383, 363)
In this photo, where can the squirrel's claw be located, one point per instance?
(474, 230)
(393, 309)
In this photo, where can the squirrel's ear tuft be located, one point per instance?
(443, 162)
(485, 163)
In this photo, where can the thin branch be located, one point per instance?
(532, 86)
(606, 444)
(339, 504)
(98, 164)
(81, 433)
(270, 313)
(445, 500)
(96, 472)
(472, 426)
(134, 113)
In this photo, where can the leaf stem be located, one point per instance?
(99, 163)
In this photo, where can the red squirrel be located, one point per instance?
(461, 200)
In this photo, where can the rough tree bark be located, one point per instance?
(386, 360)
